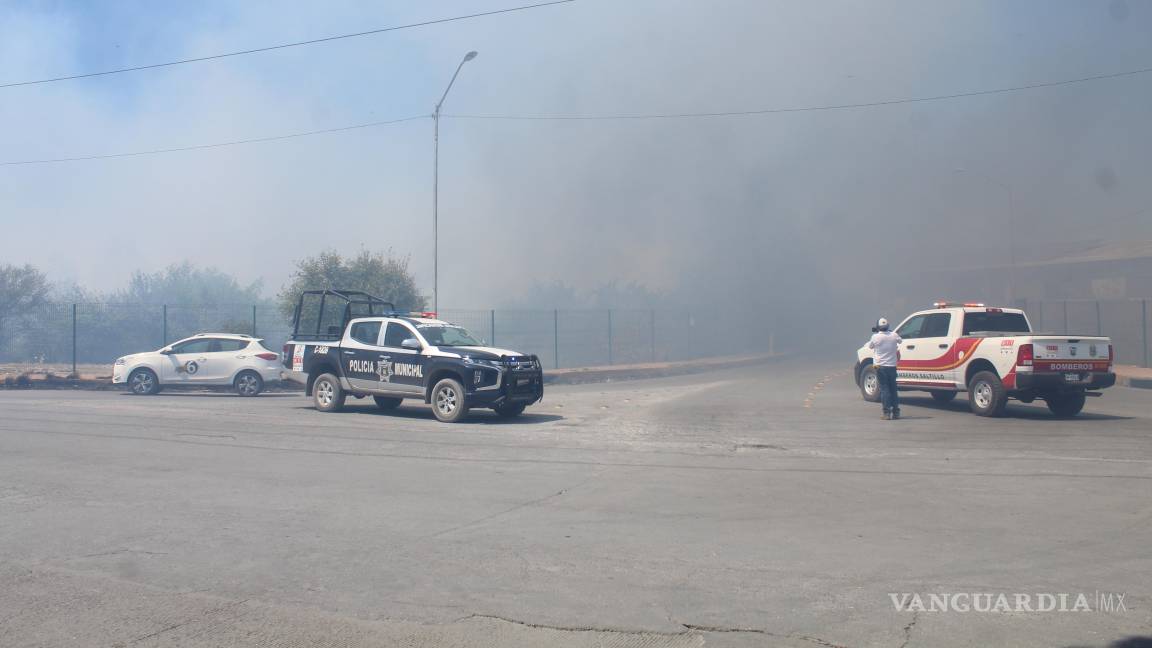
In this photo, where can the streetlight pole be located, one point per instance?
(1011, 228)
(436, 186)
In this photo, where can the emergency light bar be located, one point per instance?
(957, 305)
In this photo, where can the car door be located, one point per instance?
(362, 358)
(184, 362)
(927, 355)
(406, 365)
(225, 357)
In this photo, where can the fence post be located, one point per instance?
(1144, 330)
(652, 331)
(253, 320)
(1065, 317)
(164, 341)
(73, 340)
(1099, 326)
(492, 326)
(609, 336)
(556, 338)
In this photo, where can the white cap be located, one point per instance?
(882, 323)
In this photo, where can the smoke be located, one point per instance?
(801, 221)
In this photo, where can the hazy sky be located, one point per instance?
(769, 203)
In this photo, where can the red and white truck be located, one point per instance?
(992, 354)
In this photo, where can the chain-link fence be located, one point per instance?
(1123, 320)
(98, 333)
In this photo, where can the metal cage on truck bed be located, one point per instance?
(323, 314)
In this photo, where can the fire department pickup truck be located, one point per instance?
(349, 343)
(992, 354)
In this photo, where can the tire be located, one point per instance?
(143, 382)
(870, 384)
(248, 384)
(327, 394)
(448, 401)
(509, 411)
(943, 397)
(387, 403)
(1066, 405)
(986, 394)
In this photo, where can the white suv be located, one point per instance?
(204, 359)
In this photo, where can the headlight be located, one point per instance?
(483, 361)
(120, 361)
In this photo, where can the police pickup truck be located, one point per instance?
(348, 342)
(993, 354)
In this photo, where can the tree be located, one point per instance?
(376, 273)
(22, 289)
(186, 285)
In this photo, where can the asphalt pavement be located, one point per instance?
(762, 506)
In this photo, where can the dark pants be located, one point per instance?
(886, 376)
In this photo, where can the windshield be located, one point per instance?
(447, 335)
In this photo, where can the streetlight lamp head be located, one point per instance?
(470, 55)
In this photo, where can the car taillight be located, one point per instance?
(268, 356)
(1024, 355)
(1111, 356)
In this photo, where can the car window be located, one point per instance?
(912, 328)
(366, 332)
(396, 333)
(995, 322)
(936, 325)
(193, 346)
(231, 345)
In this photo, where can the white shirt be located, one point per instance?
(885, 347)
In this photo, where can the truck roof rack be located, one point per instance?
(323, 314)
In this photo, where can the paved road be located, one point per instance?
(768, 506)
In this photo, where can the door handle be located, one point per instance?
(349, 353)
(910, 347)
(943, 346)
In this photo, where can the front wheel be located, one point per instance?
(143, 382)
(511, 410)
(986, 394)
(249, 383)
(448, 400)
(870, 384)
(1066, 405)
(327, 393)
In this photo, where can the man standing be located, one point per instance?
(885, 347)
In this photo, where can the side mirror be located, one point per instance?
(165, 351)
(411, 343)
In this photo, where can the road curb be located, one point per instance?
(1134, 376)
(581, 375)
(572, 376)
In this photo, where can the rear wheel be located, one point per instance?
(387, 402)
(1066, 405)
(327, 393)
(143, 382)
(511, 410)
(249, 383)
(870, 384)
(448, 400)
(943, 396)
(986, 395)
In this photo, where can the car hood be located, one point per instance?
(485, 353)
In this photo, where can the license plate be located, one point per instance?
(1071, 377)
